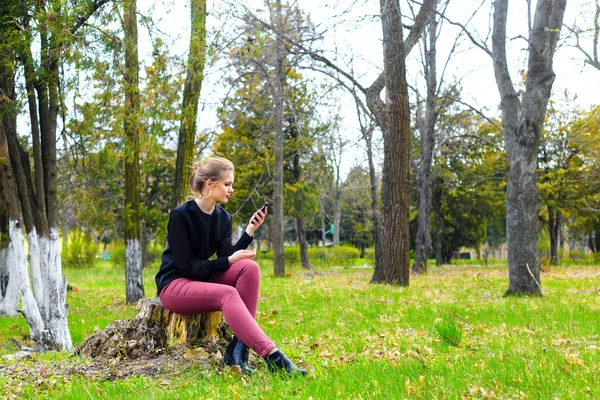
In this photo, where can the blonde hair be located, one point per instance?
(216, 169)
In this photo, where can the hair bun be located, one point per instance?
(197, 164)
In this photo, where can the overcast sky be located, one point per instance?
(353, 27)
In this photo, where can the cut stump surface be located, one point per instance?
(180, 329)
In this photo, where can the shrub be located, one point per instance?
(79, 249)
(154, 253)
(291, 253)
(370, 256)
(577, 255)
(324, 257)
(341, 256)
(118, 255)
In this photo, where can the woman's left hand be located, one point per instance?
(255, 221)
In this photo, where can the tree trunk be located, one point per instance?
(191, 96)
(301, 235)
(279, 256)
(521, 136)
(337, 219)
(373, 186)
(553, 229)
(427, 139)
(15, 282)
(131, 125)
(180, 329)
(393, 264)
(438, 227)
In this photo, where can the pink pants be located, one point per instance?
(234, 292)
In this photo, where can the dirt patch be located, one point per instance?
(160, 364)
(122, 350)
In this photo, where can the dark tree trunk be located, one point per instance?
(553, 228)
(301, 235)
(373, 186)
(427, 134)
(394, 267)
(392, 257)
(437, 203)
(131, 126)
(279, 256)
(521, 127)
(191, 96)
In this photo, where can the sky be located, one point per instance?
(353, 28)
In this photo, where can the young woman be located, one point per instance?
(189, 283)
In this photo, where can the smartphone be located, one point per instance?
(263, 208)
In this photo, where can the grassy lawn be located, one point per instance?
(361, 341)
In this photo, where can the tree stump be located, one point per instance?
(181, 329)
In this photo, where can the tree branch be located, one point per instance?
(81, 19)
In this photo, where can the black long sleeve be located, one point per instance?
(193, 237)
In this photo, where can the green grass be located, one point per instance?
(361, 340)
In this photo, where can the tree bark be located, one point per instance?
(437, 203)
(553, 229)
(279, 256)
(191, 97)
(132, 129)
(373, 186)
(393, 264)
(521, 127)
(392, 256)
(301, 235)
(427, 139)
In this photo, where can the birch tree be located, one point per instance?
(132, 130)
(46, 30)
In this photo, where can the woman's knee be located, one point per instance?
(252, 267)
(228, 293)
(249, 267)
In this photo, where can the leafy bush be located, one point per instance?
(78, 250)
(118, 255)
(292, 255)
(154, 253)
(341, 256)
(370, 256)
(324, 257)
(577, 255)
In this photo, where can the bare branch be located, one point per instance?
(479, 112)
(81, 19)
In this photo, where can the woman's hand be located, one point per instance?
(256, 220)
(241, 255)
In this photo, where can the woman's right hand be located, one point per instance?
(241, 255)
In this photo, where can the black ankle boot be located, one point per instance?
(278, 362)
(237, 354)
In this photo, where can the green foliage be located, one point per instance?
(79, 249)
(469, 183)
(320, 257)
(154, 253)
(357, 223)
(118, 255)
(328, 257)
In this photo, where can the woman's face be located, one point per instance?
(221, 191)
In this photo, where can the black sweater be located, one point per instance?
(192, 237)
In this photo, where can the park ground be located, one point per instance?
(449, 335)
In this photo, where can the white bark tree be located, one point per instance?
(32, 197)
